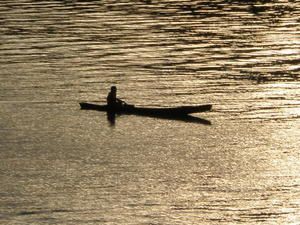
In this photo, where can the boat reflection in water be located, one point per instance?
(111, 117)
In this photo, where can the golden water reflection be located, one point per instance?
(61, 165)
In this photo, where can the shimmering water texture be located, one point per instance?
(66, 166)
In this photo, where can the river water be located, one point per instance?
(61, 165)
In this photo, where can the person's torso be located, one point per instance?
(111, 98)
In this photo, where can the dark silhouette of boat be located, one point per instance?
(175, 113)
(131, 109)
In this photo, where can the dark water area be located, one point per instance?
(63, 165)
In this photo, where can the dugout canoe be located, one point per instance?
(131, 109)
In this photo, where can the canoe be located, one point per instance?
(131, 109)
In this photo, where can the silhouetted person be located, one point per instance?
(115, 106)
(112, 101)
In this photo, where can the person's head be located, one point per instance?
(113, 89)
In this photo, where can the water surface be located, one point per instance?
(61, 165)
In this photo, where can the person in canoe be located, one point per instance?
(112, 101)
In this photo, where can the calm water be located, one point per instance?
(60, 165)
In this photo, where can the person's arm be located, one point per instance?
(120, 101)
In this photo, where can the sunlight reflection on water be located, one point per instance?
(65, 166)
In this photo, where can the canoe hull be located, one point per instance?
(130, 109)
